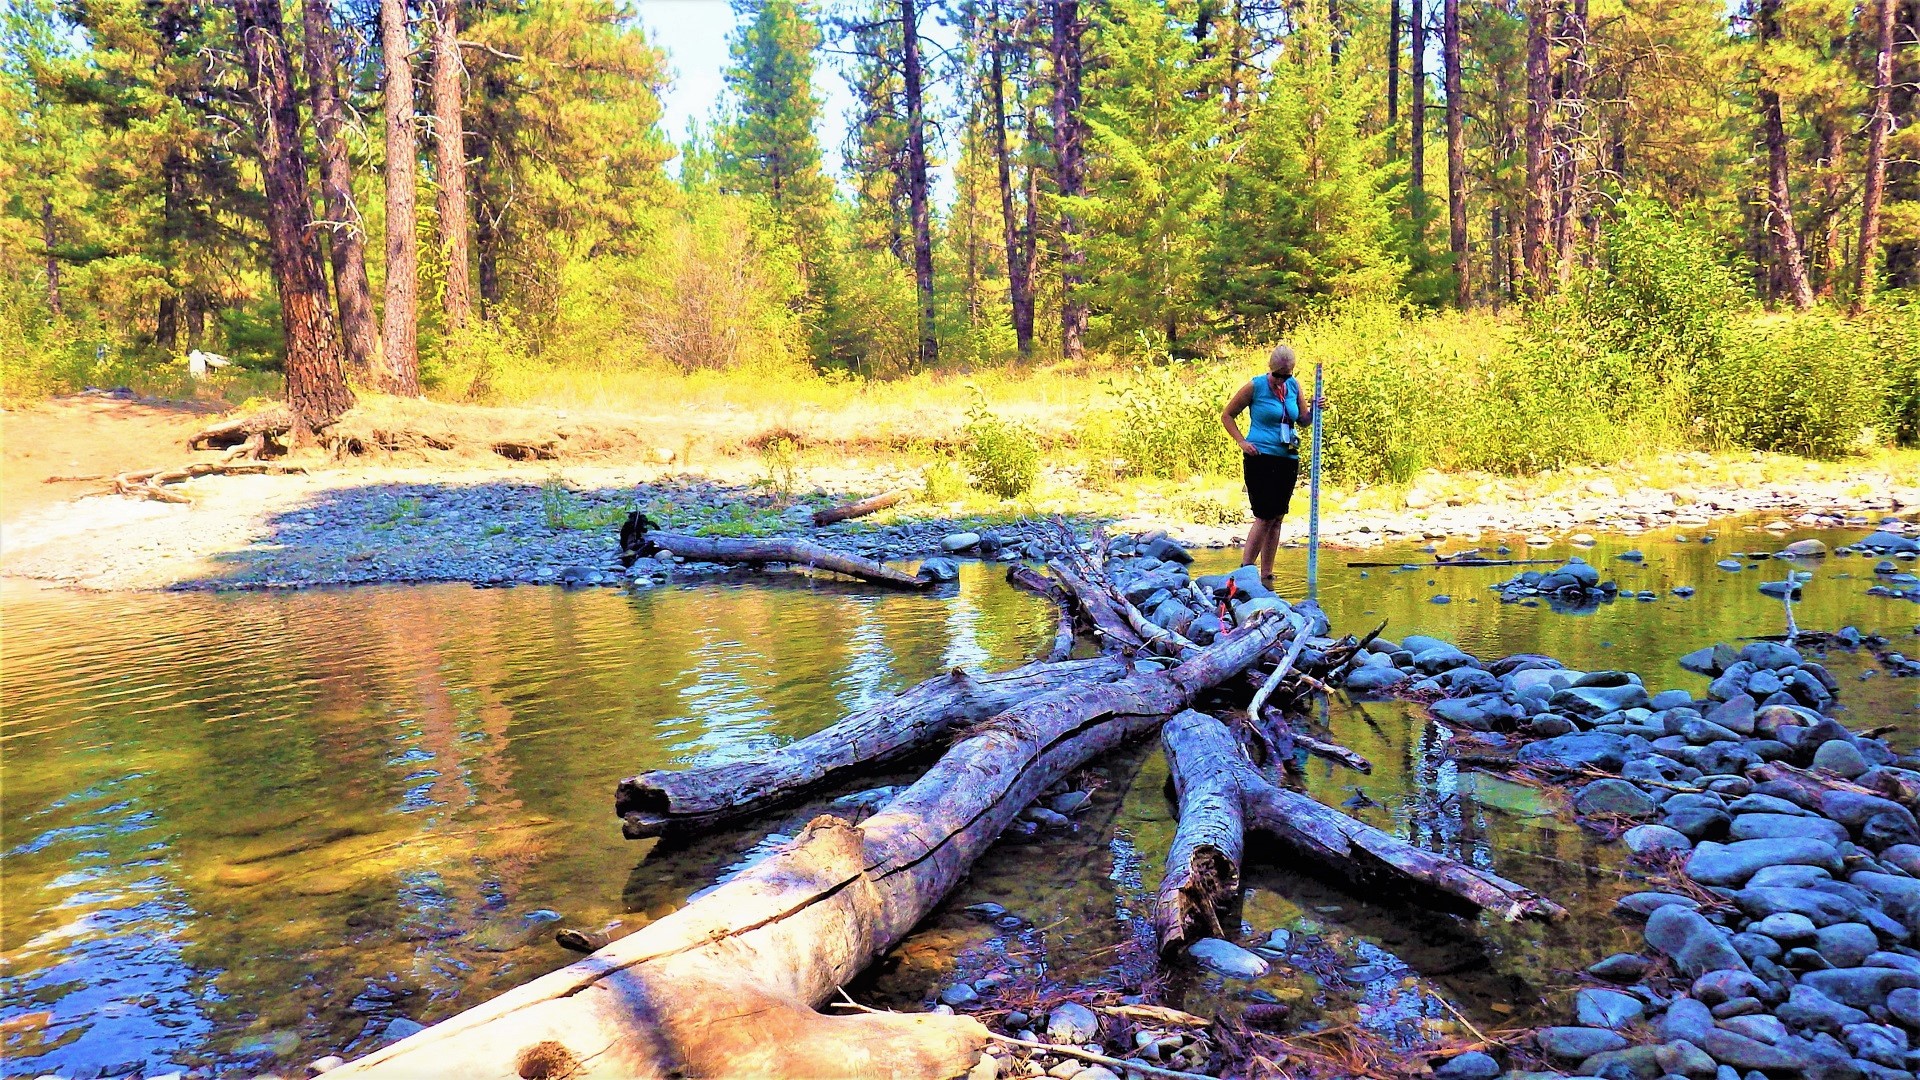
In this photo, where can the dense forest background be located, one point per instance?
(1678, 219)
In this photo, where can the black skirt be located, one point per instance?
(1270, 480)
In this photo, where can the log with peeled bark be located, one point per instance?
(861, 508)
(729, 984)
(664, 802)
(1315, 745)
(774, 550)
(1221, 794)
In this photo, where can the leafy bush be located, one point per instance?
(1896, 340)
(488, 360)
(1169, 421)
(1809, 384)
(942, 482)
(1662, 296)
(780, 456)
(1002, 454)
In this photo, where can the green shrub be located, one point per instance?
(1169, 421)
(1807, 384)
(1003, 455)
(943, 482)
(1896, 340)
(781, 459)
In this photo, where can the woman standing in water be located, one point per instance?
(1276, 413)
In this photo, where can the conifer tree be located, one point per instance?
(768, 146)
(1151, 185)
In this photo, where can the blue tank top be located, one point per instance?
(1271, 420)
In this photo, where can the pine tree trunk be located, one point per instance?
(1533, 226)
(1069, 170)
(173, 197)
(317, 390)
(1393, 67)
(451, 163)
(400, 367)
(917, 210)
(1456, 155)
(1570, 109)
(48, 238)
(1876, 179)
(1019, 284)
(346, 245)
(1417, 75)
(1333, 31)
(1790, 264)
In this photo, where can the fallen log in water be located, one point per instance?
(1221, 794)
(1314, 745)
(1021, 576)
(638, 538)
(671, 801)
(861, 508)
(728, 985)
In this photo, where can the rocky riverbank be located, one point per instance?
(358, 524)
(1780, 916)
(1781, 939)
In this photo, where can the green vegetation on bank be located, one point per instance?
(1140, 202)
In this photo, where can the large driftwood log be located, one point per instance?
(773, 550)
(1221, 794)
(235, 431)
(727, 986)
(672, 801)
(849, 511)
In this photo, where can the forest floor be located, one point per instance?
(468, 513)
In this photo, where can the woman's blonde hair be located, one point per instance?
(1282, 351)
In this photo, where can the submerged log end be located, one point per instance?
(1193, 897)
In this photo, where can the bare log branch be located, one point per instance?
(862, 508)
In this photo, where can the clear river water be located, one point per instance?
(243, 831)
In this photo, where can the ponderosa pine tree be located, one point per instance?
(1456, 153)
(1789, 262)
(317, 390)
(450, 164)
(346, 237)
(1068, 145)
(400, 368)
(1879, 123)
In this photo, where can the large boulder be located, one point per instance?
(1883, 541)
(1480, 712)
(1696, 945)
(1732, 864)
(1861, 987)
(1593, 702)
(1577, 751)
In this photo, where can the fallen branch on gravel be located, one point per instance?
(1221, 793)
(638, 538)
(861, 508)
(729, 984)
(146, 483)
(253, 429)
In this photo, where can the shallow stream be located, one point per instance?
(247, 830)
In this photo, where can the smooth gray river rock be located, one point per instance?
(1695, 944)
(1571, 1044)
(1861, 987)
(1580, 750)
(1732, 864)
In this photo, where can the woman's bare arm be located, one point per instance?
(1230, 417)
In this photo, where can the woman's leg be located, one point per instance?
(1256, 542)
(1269, 543)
